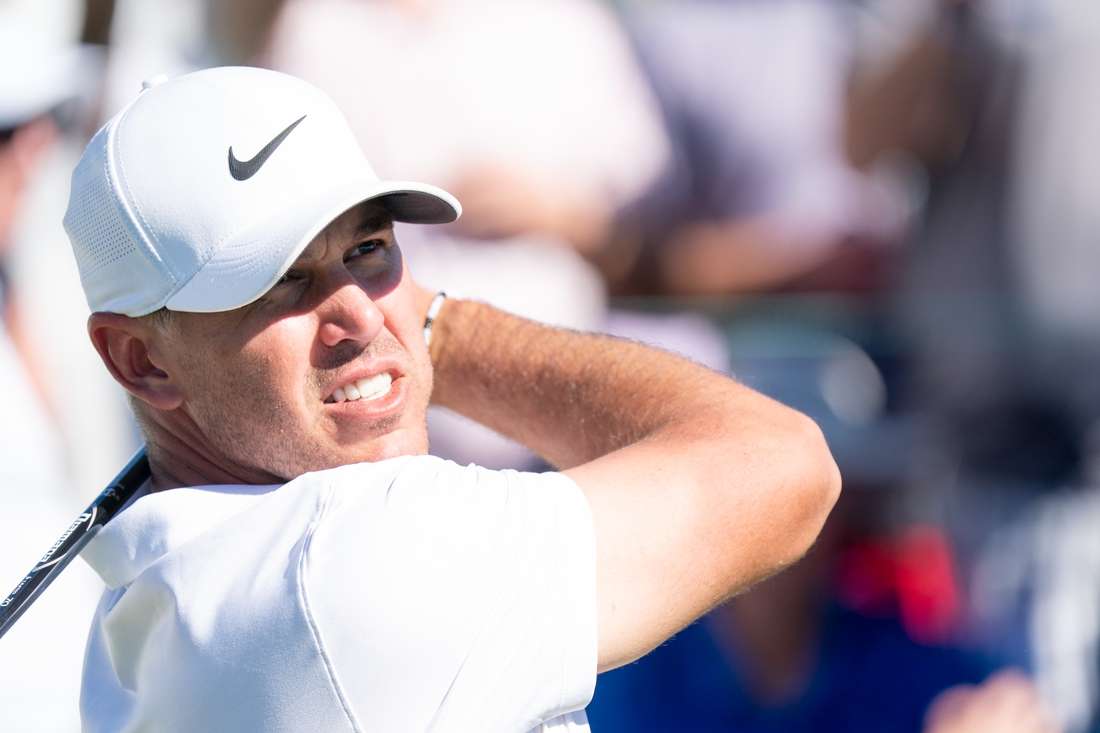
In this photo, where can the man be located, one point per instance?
(299, 562)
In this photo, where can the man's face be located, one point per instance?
(273, 385)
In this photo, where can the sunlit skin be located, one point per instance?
(240, 396)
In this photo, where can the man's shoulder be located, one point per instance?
(423, 471)
(408, 481)
(419, 492)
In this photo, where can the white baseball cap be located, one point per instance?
(202, 192)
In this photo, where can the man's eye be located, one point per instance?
(367, 247)
(291, 278)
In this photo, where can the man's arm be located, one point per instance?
(698, 486)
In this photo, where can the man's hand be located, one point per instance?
(698, 486)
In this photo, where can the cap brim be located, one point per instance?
(248, 264)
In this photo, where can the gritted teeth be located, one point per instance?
(367, 389)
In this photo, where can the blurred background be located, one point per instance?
(884, 213)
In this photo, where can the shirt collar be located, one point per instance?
(157, 523)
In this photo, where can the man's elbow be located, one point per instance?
(814, 485)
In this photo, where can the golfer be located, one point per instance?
(298, 562)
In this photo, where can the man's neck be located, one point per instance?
(180, 455)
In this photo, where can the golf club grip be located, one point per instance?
(86, 526)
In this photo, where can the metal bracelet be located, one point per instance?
(433, 311)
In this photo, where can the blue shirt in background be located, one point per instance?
(870, 677)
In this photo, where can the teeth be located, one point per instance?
(363, 389)
(375, 386)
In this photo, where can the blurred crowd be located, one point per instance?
(884, 213)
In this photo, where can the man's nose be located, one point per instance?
(348, 313)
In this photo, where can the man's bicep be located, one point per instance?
(683, 521)
(656, 556)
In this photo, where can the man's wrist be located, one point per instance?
(443, 327)
(433, 312)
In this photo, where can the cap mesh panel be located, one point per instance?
(98, 232)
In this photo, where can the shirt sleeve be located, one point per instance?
(451, 598)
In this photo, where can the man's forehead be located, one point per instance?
(364, 218)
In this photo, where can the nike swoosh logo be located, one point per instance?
(242, 170)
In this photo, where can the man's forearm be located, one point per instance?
(569, 397)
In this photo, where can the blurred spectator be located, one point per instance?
(26, 132)
(998, 100)
(96, 429)
(783, 658)
(944, 96)
(1038, 583)
(150, 37)
(533, 114)
(1055, 220)
(1052, 220)
(758, 191)
(39, 682)
(946, 101)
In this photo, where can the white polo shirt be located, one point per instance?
(407, 595)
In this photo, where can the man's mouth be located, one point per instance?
(363, 390)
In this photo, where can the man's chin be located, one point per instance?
(397, 443)
(292, 461)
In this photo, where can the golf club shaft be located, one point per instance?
(86, 526)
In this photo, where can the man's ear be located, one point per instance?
(125, 345)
